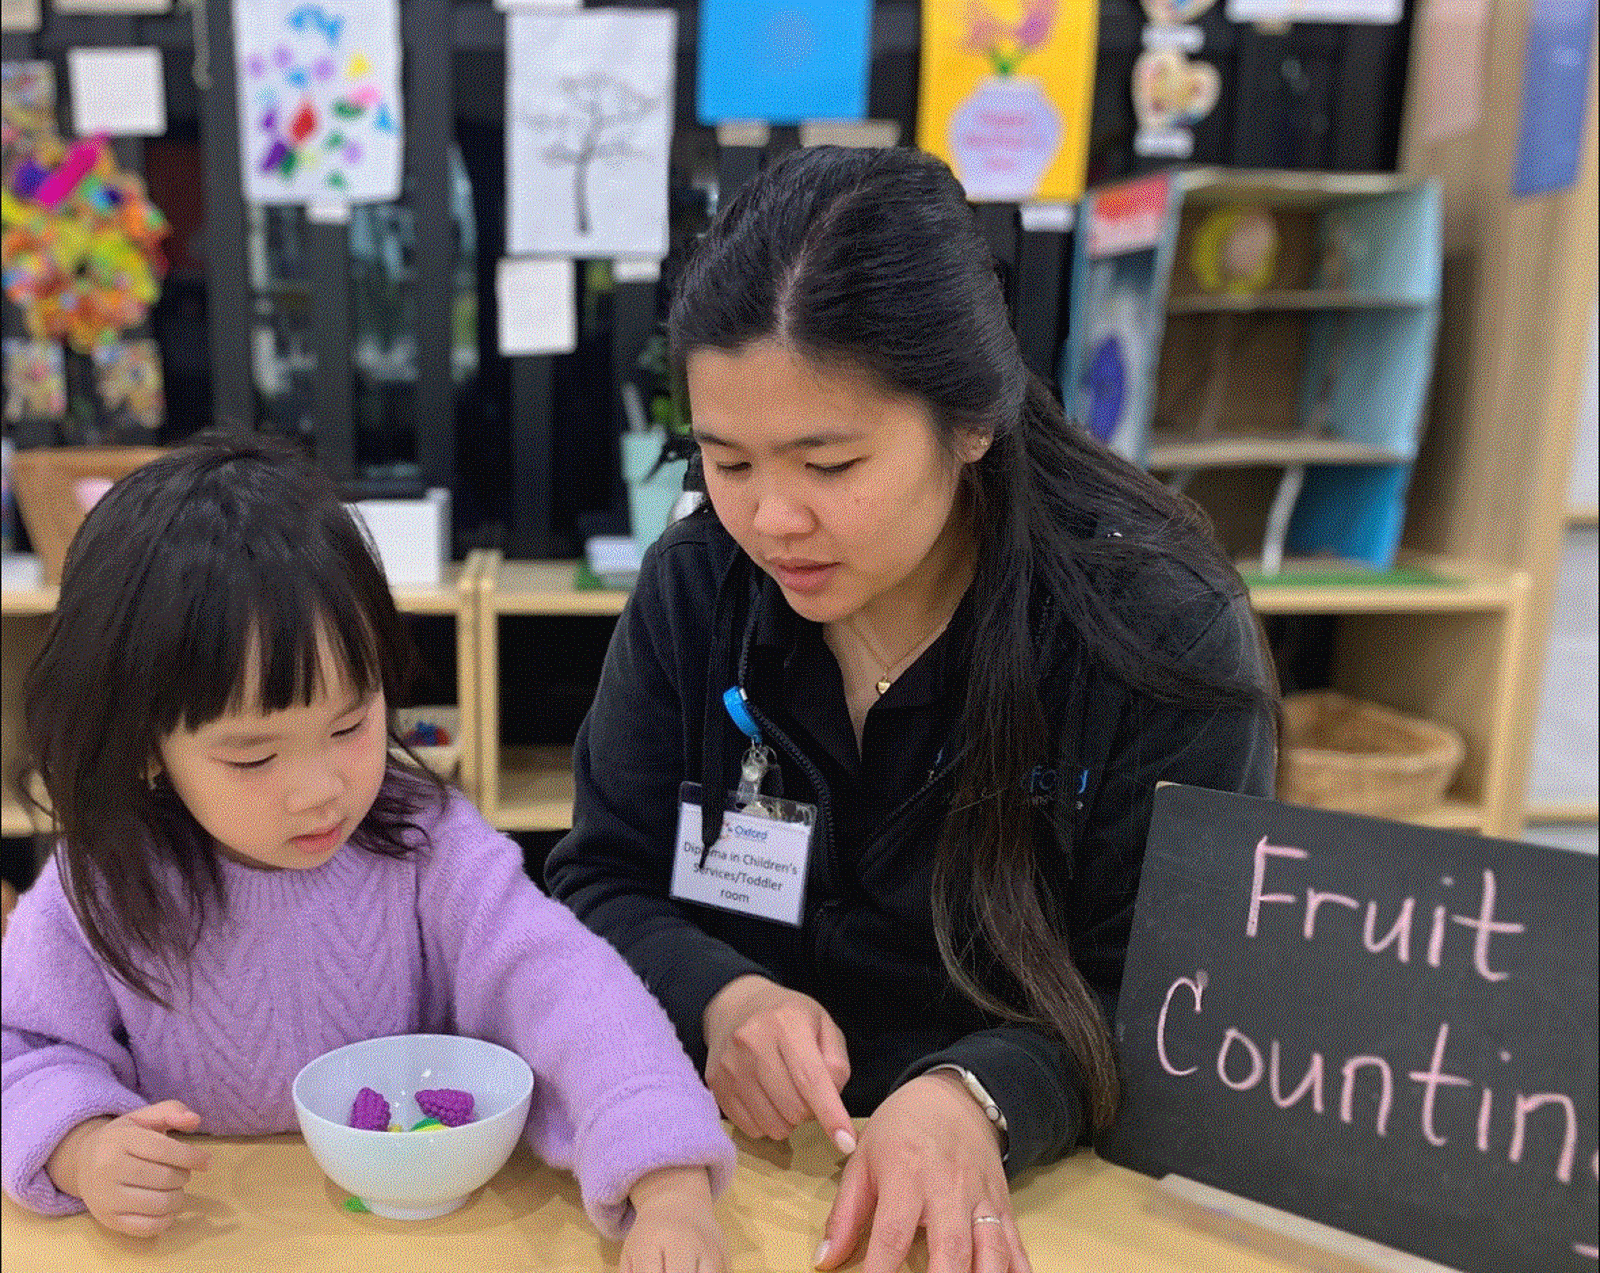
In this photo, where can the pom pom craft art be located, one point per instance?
(80, 248)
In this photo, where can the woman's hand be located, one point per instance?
(775, 1059)
(128, 1171)
(930, 1160)
(674, 1229)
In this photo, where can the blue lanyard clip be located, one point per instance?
(738, 705)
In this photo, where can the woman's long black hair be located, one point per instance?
(872, 260)
(231, 548)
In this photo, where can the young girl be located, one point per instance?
(245, 879)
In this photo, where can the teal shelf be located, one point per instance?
(1318, 368)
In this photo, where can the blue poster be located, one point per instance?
(1555, 79)
(783, 61)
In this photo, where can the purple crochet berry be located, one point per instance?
(369, 1111)
(449, 1105)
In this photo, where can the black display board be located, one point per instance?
(1385, 1028)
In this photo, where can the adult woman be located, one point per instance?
(974, 640)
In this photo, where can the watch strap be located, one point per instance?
(976, 1090)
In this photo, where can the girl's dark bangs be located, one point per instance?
(292, 620)
(275, 616)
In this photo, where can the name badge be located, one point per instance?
(757, 865)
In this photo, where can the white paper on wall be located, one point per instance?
(19, 15)
(1370, 12)
(588, 117)
(319, 100)
(537, 305)
(112, 6)
(118, 92)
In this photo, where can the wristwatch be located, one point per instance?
(979, 1093)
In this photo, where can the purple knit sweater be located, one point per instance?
(455, 939)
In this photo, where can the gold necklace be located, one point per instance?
(892, 670)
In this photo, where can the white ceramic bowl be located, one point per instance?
(413, 1175)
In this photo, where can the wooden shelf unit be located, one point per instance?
(525, 788)
(1491, 482)
(1474, 616)
(1314, 299)
(1562, 814)
(24, 619)
(1169, 452)
(1461, 638)
(456, 596)
(1447, 651)
(1311, 359)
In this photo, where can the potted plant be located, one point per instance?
(656, 445)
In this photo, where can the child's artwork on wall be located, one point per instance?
(19, 15)
(1106, 378)
(1112, 381)
(1170, 95)
(588, 117)
(27, 98)
(36, 380)
(783, 61)
(81, 243)
(1235, 249)
(1005, 94)
(112, 6)
(127, 375)
(319, 100)
(1171, 13)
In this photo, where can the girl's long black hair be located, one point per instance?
(872, 260)
(231, 548)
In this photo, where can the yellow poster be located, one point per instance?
(1006, 92)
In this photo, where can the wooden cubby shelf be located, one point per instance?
(535, 790)
(1307, 300)
(526, 788)
(1459, 622)
(25, 608)
(1170, 451)
(1473, 612)
(1228, 320)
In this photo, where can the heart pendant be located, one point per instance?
(883, 685)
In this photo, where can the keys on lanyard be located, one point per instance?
(757, 761)
(752, 772)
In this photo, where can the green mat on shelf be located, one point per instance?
(585, 580)
(1395, 576)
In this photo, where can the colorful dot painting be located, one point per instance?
(320, 99)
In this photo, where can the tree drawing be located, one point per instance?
(601, 112)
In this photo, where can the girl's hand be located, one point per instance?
(930, 1160)
(128, 1171)
(674, 1229)
(775, 1059)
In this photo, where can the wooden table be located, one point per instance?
(265, 1204)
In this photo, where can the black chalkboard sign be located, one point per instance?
(1381, 1027)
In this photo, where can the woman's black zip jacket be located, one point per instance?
(703, 618)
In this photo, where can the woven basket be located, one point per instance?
(1343, 753)
(56, 486)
